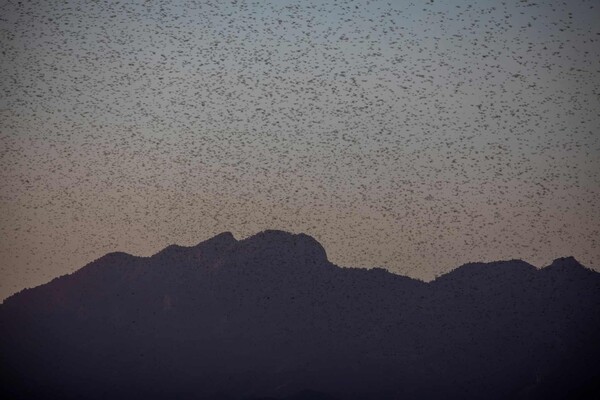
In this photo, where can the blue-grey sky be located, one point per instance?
(416, 136)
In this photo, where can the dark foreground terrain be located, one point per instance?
(271, 317)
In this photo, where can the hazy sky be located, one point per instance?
(410, 135)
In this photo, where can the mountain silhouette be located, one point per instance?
(269, 317)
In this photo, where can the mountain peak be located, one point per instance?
(570, 260)
(223, 238)
(274, 245)
(565, 263)
(489, 272)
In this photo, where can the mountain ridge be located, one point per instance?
(226, 240)
(271, 316)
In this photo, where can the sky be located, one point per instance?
(414, 136)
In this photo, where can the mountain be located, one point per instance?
(271, 317)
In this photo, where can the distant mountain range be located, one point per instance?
(271, 317)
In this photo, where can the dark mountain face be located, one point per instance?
(271, 317)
